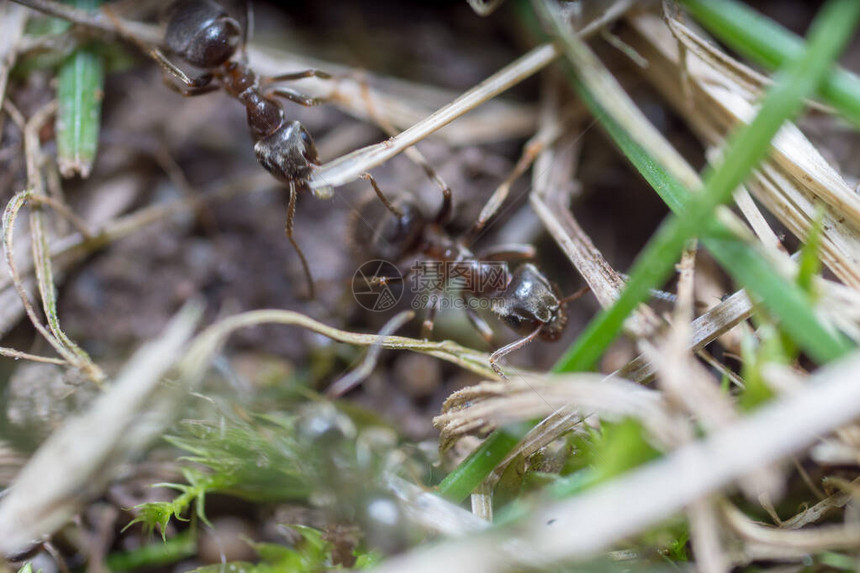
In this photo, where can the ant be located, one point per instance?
(525, 300)
(201, 33)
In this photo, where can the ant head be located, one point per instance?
(289, 153)
(377, 233)
(530, 301)
(202, 33)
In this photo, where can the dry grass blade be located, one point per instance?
(824, 507)
(12, 21)
(79, 459)
(97, 21)
(347, 168)
(794, 541)
(432, 512)
(706, 536)
(18, 355)
(41, 249)
(551, 129)
(688, 385)
(579, 527)
(553, 172)
(792, 180)
(490, 405)
(10, 214)
(398, 102)
(73, 354)
(705, 329)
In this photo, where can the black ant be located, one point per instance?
(202, 34)
(525, 300)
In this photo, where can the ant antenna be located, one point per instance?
(291, 214)
(247, 29)
(575, 296)
(513, 346)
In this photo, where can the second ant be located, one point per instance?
(524, 299)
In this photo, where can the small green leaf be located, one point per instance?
(152, 514)
(80, 93)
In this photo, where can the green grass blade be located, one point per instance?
(602, 331)
(745, 262)
(767, 43)
(746, 147)
(459, 483)
(81, 87)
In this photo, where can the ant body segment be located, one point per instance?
(202, 34)
(525, 300)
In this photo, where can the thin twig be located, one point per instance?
(353, 378)
(96, 21)
(348, 167)
(200, 353)
(39, 244)
(18, 355)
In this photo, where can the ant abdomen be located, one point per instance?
(530, 302)
(202, 33)
(380, 234)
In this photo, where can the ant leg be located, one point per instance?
(445, 209)
(505, 350)
(291, 215)
(388, 204)
(509, 252)
(480, 325)
(169, 67)
(295, 96)
(189, 92)
(575, 296)
(309, 73)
